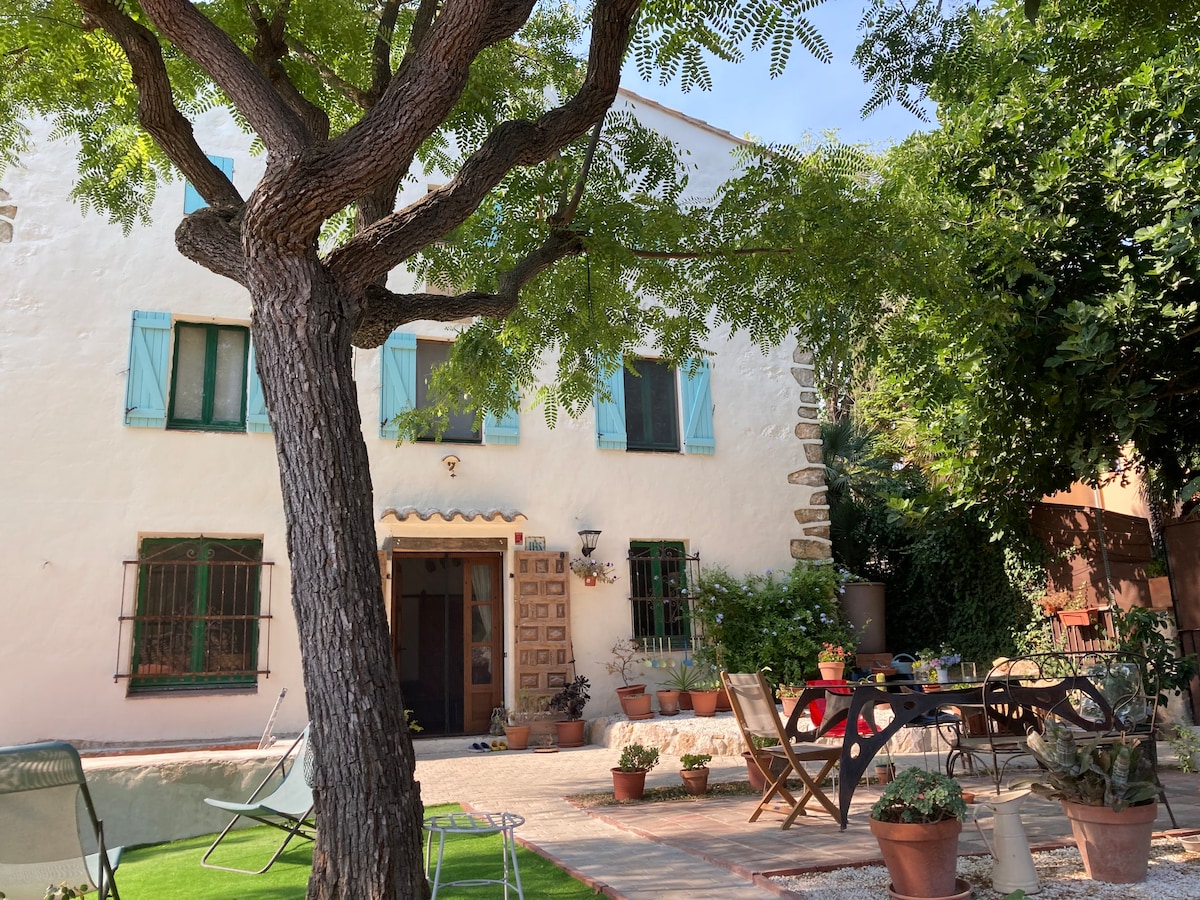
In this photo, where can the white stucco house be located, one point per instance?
(145, 582)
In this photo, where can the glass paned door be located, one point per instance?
(484, 677)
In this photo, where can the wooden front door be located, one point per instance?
(544, 658)
(447, 628)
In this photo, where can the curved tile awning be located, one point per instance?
(449, 515)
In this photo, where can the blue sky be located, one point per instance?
(808, 97)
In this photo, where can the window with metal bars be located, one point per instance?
(660, 573)
(198, 614)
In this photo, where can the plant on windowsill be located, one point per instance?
(593, 571)
(917, 821)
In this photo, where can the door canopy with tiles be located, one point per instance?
(543, 622)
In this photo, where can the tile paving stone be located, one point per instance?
(690, 848)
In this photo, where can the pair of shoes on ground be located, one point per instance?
(482, 747)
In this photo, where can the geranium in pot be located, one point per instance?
(1108, 794)
(695, 772)
(571, 701)
(629, 776)
(831, 660)
(592, 571)
(917, 822)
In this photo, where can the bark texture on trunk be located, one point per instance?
(368, 806)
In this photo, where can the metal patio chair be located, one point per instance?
(43, 791)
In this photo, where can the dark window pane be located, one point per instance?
(651, 412)
(461, 427)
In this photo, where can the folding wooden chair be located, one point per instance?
(756, 715)
(40, 834)
(289, 807)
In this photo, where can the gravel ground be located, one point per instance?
(1174, 875)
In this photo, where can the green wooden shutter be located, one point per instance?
(610, 413)
(149, 359)
(256, 404)
(192, 200)
(506, 430)
(398, 380)
(698, 411)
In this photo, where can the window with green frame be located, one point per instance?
(197, 619)
(208, 377)
(659, 575)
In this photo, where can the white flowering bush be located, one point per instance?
(770, 621)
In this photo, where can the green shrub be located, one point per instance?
(637, 758)
(919, 796)
(776, 624)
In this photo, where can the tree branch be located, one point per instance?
(156, 109)
(396, 237)
(280, 128)
(384, 311)
(706, 254)
(212, 238)
(332, 79)
(270, 46)
(567, 208)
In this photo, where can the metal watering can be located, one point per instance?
(1012, 867)
(903, 663)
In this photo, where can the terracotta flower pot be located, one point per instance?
(723, 704)
(589, 580)
(704, 702)
(637, 706)
(695, 781)
(789, 704)
(630, 690)
(685, 699)
(831, 671)
(1078, 617)
(570, 732)
(920, 858)
(1115, 846)
(885, 773)
(754, 773)
(668, 702)
(517, 736)
(629, 785)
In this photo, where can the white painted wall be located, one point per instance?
(78, 489)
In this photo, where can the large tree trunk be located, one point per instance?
(368, 806)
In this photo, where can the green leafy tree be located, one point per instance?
(1064, 179)
(346, 99)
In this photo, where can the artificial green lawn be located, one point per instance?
(174, 870)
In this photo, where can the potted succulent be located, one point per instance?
(916, 822)
(684, 679)
(593, 571)
(788, 695)
(629, 776)
(695, 772)
(1108, 794)
(571, 701)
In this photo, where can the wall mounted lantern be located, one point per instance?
(589, 538)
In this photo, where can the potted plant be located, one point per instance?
(1108, 794)
(885, 771)
(916, 822)
(635, 702)
(629, 776)
(695, 773)
(1070, 608)
(775, 764)
(518, 721)
(704, 694)
(593, 571)
(571, 701)
(788, 695)
(683, 679)
(831, 660)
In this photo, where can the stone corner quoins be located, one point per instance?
(813, 513)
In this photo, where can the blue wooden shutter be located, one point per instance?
(149, 359)
(610, 414)
(398, 381)
(698, 411)
(506, 430)
(192, 200)
(256, 403)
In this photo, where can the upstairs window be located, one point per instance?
(403, 385)
(208, 378)
(651, 407)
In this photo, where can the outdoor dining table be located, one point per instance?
(1025, 704)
